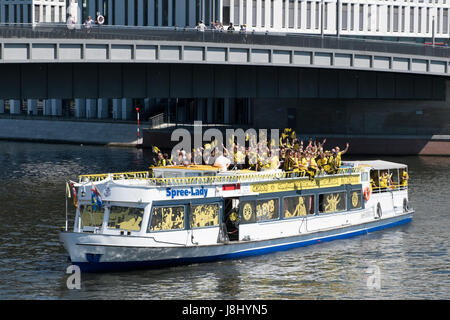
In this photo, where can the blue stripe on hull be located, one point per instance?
(122, 266)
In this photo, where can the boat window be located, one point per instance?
(209, 174)
(90, 218)
(172, 174)
(355, 199)
(204, 215)
(125, 218)
(267, 209)
(332, 202)
(394, 177)
(248, 211)
(298, 206)
(364, 176)
(192, 174)
(167, 218)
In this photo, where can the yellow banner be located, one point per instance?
(303, 184)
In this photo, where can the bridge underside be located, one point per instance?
(161, 80)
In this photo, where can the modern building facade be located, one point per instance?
(368, 18)
(409, 19)
(32, 11)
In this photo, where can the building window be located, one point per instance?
(445, 21)
(419, 20)
(244, 11)
(36, 13)
(271, 13)
(52, 13)
(411, 19)
(308, 15)
(236, 12)
(165, 13)
(299, 15)
(283, 14)
(396, 18)
(361, 17)
(344, 16)
(378, 18)
(291, 14)
(438, 28)
(428, 21)
(352, 17)
(389, 13)
(263, 13)
(325, 18)
(254, 13)
(317, 10)
(226, 12)
(156, 12)
(369, 18)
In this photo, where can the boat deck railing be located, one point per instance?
(232, 177)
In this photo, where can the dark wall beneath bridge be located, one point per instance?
(93, 80)
(356, 116)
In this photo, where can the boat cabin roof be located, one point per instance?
(376, 164)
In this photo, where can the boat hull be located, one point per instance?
(120, 255)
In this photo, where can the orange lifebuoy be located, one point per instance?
(367, 193)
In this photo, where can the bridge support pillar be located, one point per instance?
(102, 108)
(14, 106)
(56, 107)
(2, 106)
(91, 108)
(117, 109)
(127, 108)
(32, 107)
(80, 108)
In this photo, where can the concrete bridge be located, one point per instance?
(52, 62)
(320, 85)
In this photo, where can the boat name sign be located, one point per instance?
(172, 193)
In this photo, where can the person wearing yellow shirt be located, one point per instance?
(322, 161)
(384, 180)
(312, 167)
(289, 161)
(404, 178)
(338, 155)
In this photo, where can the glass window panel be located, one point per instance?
(355, 199)
(267, 209)
(167, 218)
(90, 218)
(298, 206)
(204, 215)
(125, 218)
(332, 202)
(248, 211)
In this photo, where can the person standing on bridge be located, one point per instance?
(70, 23)
(88, 24)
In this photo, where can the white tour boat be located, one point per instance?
(189, 214)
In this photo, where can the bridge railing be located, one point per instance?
(176, 34)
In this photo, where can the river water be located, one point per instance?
(410, 261)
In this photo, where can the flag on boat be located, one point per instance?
(96, 198)
(71, 185)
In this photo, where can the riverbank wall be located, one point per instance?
(74, 132)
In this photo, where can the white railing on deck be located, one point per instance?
(205, 180)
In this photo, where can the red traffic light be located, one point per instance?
(137, 109)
